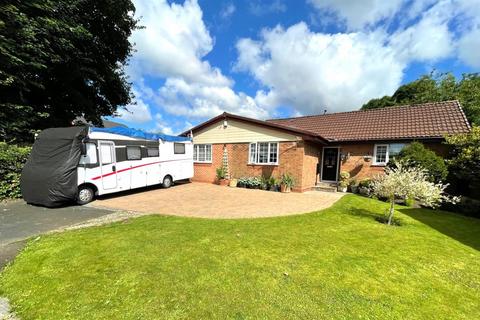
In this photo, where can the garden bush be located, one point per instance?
(12, 159)
(415, 154)
(464, 165)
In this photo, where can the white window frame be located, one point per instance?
(375, 154)
(268, 153)
(196, 148)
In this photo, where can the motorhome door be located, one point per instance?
(108, 164)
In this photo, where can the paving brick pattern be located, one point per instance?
(212, 201)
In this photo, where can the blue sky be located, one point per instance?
(265, 59)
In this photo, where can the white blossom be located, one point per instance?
(404, 182)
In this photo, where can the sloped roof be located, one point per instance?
(428, 120)
(268, 124)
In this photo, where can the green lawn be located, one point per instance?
(337, 263)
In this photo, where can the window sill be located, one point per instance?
(378, 165)
(263, 164)
(202, 162)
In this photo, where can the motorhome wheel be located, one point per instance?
(85, 195)
(167, 182)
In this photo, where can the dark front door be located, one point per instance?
(329, 164)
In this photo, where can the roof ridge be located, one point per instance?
(372, 110)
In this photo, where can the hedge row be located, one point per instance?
(12, 159)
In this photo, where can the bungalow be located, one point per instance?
(315, 149)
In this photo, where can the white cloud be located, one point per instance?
(136, 113)
(173, 46)
(161, 125)
(173, 42)
(357, 14)
(469, 46)
(195, 100)
(314, 71)
(429, 39)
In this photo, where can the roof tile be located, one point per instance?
(428, 120)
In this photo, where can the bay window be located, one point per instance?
(263, 153)
(202, 153)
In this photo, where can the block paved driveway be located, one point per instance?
(212, 201)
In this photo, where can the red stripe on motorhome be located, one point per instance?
(135, 167)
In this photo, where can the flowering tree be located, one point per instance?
(404, 182)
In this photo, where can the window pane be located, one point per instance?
(381, 154)
(208, 152)
(91, 156)
(263, 152)
(195, 152)
(273, 153)
(106, 153)
(152, 152)
(253, 152)
(134, 153)
(179, 148)
(395, 148)
(201, 152)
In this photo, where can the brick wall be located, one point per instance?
(361, 169)
(296, 158)
(311, 157)
(206, 172)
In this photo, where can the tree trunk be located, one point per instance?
(390, 213)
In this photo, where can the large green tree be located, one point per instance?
(60, 59)
(434, 88)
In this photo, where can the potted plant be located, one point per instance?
(286, 183)
(272, 184)
(233, 182)
(343, 185)
(221, 176)
(365, 187)
(353, 186)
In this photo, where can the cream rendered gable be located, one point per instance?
(239, 132)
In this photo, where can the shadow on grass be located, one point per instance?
(375, 216)
(463, 229)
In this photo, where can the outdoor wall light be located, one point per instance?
(345, 156)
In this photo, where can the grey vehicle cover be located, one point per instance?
(49, 178)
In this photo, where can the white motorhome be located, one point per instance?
(79, 163)
(114, 162)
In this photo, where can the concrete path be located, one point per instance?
(19, 221)
(212, 201)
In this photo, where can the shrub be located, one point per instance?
(287, 180)
(12, 159)
(464, 166)
(365, 187)
(404, 182)
(221, 173)
(466, 206)
(344, 175)
(416, 155)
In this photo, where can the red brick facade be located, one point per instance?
(298, 158)
(361, 168)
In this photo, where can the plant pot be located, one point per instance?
(223, 182)
(284, 188)
(233, 183)
(342, 189)
(354, 189)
